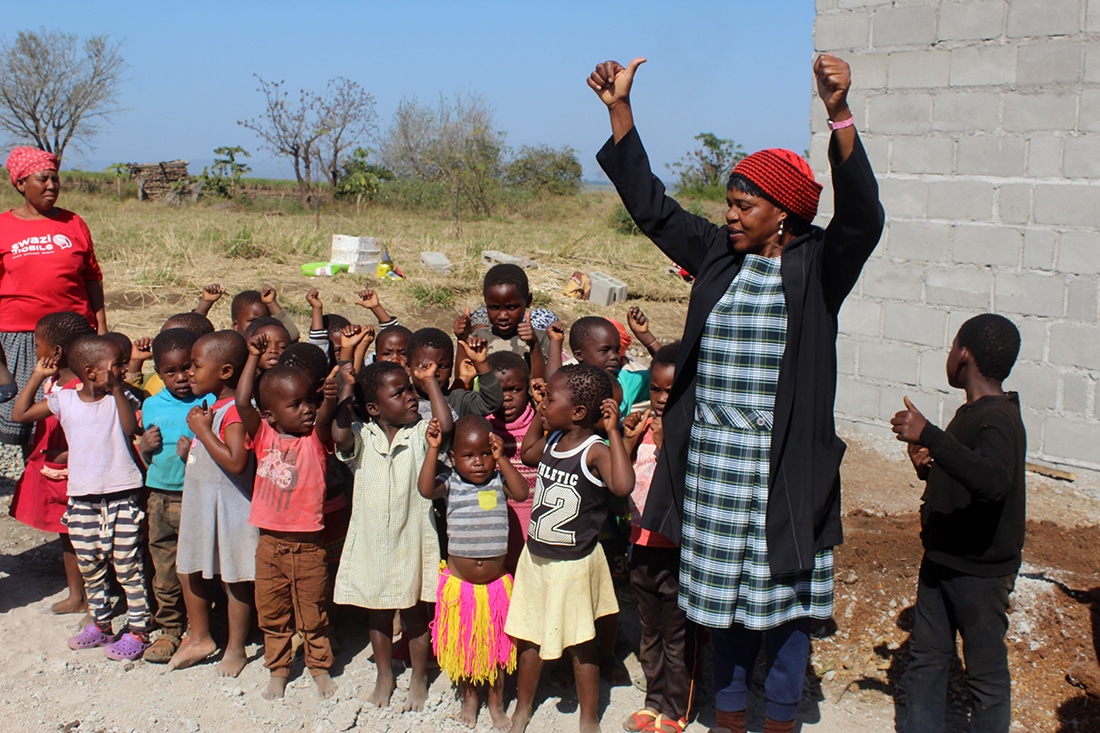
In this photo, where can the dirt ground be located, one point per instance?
(857, 658)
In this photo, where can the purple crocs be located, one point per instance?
(129, 646)
(90, 638)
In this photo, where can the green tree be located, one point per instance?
(703, 172)
(121, 170)
(542, 169)
(224, 177)
(361, 178)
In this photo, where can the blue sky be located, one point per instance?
(739, 69)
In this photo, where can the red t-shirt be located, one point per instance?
(44, 266)
(289, 492)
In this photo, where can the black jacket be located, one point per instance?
(818, 269)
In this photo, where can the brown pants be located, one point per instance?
(290, 594)
(163, 514)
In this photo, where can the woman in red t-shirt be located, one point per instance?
(47, 264)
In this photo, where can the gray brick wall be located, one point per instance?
(982, 121)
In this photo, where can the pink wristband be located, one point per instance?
(842, 124)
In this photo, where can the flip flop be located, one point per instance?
(90, 638)
(640, 720)
(128, 647)
(666, 725)
(161, 650)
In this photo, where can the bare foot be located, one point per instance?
(520, 719)
(191, 652)
(72, 604)
(276, 686)
(418, 695)
(467, 714)
(383, 690)
(232, 663)
(325, 686)
(501, 721)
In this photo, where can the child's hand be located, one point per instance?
(463, 326)
(909, 423)
(183, 447)
(331, 387)
(476, 349)
(637, 320)
(556, 333)
(200, 417)
(609, 416)
(257, 345)
(424, 374)
(466, 372)
(921, 458)
(352, 334)
(657, 430)
(538, 390)
(150, 440)
(434, 434)
(313, 297)
(268, 294)
(496, 444)
(142, 349)
(212, 293)
(634, 424)
(368, 299)
(46, 367)
(347, 375)
(525, 331)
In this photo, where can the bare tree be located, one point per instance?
(287, 129)
(55, 87)
(346, 115)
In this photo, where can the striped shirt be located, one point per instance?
(477, 517)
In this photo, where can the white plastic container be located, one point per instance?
(354, 250)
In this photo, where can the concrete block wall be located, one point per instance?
(982, 122)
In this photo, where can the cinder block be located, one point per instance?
(907, 197)
(892, 113)
(1014, 203)
(878, 150)
(891, 400)
(860, 317)
(966, 111)
(1034, 337)
(1089, 117)
(933, 369)
(991, 155)
(1033, 425)
(1076, 390)
(982, 65)
(1044, 157)
(969, 287)
(918, 240)
(493, 257)
(913, 154)
(885, 279)
(918, 324)
(1073, 440)
(869, 70)
(967, 21)
(846, 351)
(960, 200)
(1043, 18)
(1049, 62)
(856, 397)
(1079, 253)
(915, 69)
(1030, 112)
(904, 26)
(1039, 247)
(862, 3)
(987, 244)
(1082, 157)
(1038, 384)
(1029, 294)
(1073, 205)
(606, 289)
(1082, 299)
(895, 363)
(1092, 18)
(436, 260)
(838, 31)
(824, 5)
(1075, 344)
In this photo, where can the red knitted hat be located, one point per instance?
(785, 177)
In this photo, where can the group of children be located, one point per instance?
(465, 503)
(461, 501)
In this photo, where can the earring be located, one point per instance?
(780, 232)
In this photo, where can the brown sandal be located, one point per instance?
(161, 650)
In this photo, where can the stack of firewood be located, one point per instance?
(154, 180)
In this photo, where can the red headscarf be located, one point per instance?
(785, 177)
(25, 160)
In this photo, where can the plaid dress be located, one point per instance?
(724, 572)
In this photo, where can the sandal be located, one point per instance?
(640, 720)
(90, 638)
(666, 725)
(161, 650)
(130, 646)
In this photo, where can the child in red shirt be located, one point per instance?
(291, 437)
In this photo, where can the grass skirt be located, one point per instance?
(468, 631)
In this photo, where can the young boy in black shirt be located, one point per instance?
(972, 527)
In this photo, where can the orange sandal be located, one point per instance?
(641, 720)
(661, 724)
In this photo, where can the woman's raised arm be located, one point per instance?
(611, 81)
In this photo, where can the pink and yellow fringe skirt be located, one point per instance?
(468, 631)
